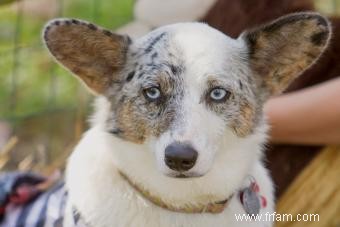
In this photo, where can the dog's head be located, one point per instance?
(187, 97)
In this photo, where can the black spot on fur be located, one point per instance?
(76, 215)
(322, 21)
(140, 75)
(129, 40)
(116, 131)
(130, 76)
(150, 65)
(175, 69)
(240, 84)
(122, 100)
(74, 21)
(319, 38)
(57, 22)
(47, 29)
(107, 32)
(92, 26)
(68, 22)
(154, 55)
(153, 42)
(155, 68)
(251, 39)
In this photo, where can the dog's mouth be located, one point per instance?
(181, 175)
(184, 175)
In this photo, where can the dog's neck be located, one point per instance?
(250, 198)
(211, 207)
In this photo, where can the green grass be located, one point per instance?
(40, 84)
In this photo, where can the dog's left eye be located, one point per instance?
(152, 93)
(219, 94)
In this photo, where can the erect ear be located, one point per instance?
(280, 51)
(94, 54)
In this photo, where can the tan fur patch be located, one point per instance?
(243, 125)
(136, 118)
(94, 54)
(136, 126)
(282, 50)
(133, 127)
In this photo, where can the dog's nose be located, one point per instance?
(180, 156)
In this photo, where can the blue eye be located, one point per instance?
(152, 93)
(219, 94)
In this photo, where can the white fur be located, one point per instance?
(104, 198)
(206, 52)
(225, 161)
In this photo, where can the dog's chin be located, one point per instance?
(183, 175)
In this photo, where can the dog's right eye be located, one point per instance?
(152, 93)
(219, 94)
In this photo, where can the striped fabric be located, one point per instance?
(23, 203)
(47, 210)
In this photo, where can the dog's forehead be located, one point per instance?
(198, 47)
(200, 41)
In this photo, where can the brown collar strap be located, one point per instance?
(213, 207)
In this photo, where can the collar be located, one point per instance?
(249, 197)
(213, 207)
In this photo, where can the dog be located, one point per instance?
(178, 133)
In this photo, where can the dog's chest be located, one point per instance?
(127, 208)
(143, 213)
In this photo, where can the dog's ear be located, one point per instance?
(93, 54)
(280, 51)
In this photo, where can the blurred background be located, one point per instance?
(43, 110)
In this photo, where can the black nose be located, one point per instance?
(180, 156)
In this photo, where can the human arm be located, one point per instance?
(309, 116)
